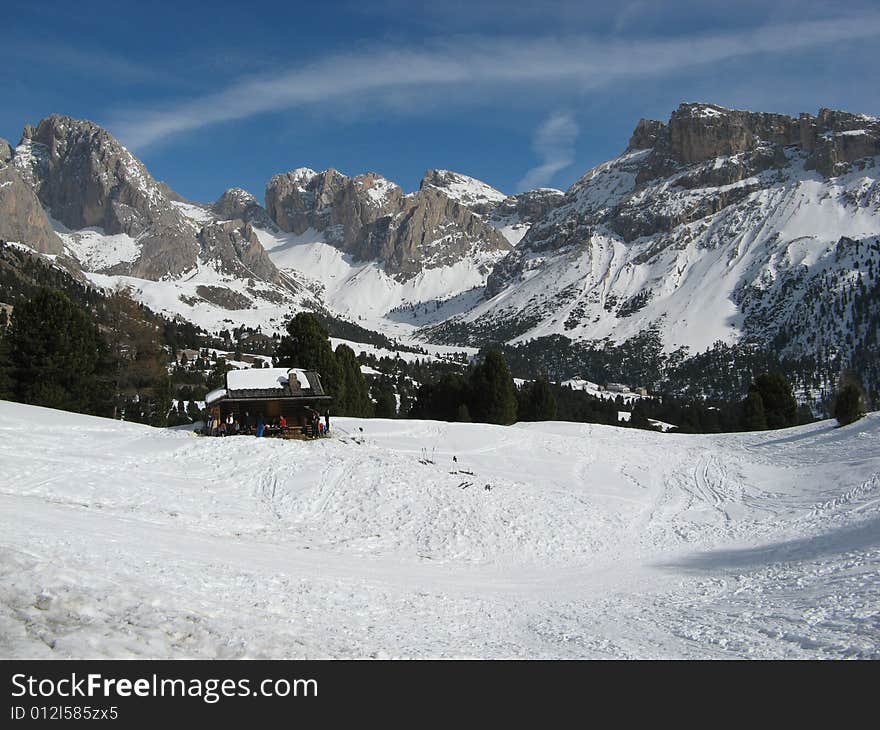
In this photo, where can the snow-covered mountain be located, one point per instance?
(356, 246)
(718, 225)
(118, 224)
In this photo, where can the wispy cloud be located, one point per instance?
(554, 144)
(88, 62)
(469, 66)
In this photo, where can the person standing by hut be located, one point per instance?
(327, 422)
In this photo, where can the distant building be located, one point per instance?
(617, 388)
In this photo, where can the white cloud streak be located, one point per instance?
(554, 144)
(469, 66)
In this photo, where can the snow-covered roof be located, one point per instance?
(265, 378)
(215, 394)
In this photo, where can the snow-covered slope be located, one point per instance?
(364, 292)
(590, 541)
(705, 231)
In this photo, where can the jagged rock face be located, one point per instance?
(238, 204)
(5, 151)
(702, 132)
(646, 134)
(470, 192)
(742, 244)
(699, 132)
(370, 218)
(234, 248)
(330, 202)
(22, 218)
(838, 138)
(531, 205)
(430, 230)
(85, 177)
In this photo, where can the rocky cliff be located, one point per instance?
(370, 218)
(716, 225)
(115, 217)
(238, 204)
(85, 178)
(22, 218)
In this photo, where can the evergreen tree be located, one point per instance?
(139, 360)
(217, 376)
(754, 418)
(57, 355)
(463, 415)
(780, 406)
(492, 392)
(6, 382)
(386, 403)
(849, 401)
(354, 399)
(307, 346)
(192, 410)
(540, 402)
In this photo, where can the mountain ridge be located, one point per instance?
(716, 225)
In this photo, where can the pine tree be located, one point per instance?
(780, 406)
(541, 403)
(307, 346)
(355, 396)
(386, 403)
(57, 355)
(492, 392)
(754, 418)
(217, 376)
(6, 382)
(136, 351)
(849, 404)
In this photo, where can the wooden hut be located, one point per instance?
(268, 394)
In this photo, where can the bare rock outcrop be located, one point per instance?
(699, 133)
(330, 202)
(429, 231)
(238, 204)
(22, 218)
(85, 177)
(234, 249)
(370, 217)
(645, 135)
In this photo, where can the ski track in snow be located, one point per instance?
(595, 542)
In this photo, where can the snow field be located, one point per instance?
(122, 540)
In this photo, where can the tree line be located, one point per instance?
(72, 347)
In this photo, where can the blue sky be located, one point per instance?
(518, 94)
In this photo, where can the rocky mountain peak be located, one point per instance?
(645, 135)
(475, 194)
(86, 178)
(330, 202)
(369, 216)
(699, 132)
(752, 141)
(237, 203)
